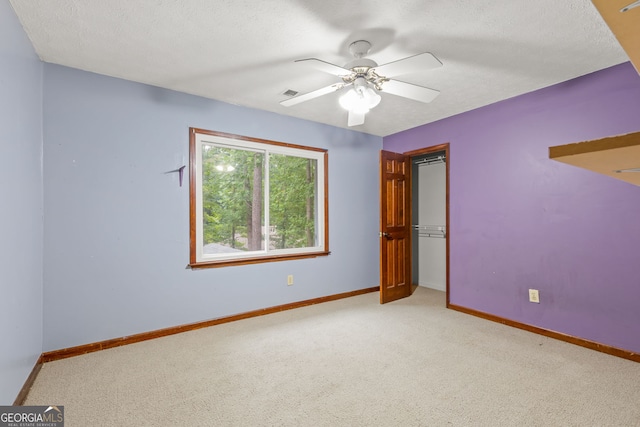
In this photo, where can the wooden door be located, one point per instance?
(395, 227)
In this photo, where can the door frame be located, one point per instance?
(419, 153)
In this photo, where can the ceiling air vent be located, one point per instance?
(290, 92)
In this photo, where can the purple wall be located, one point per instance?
(519, 220)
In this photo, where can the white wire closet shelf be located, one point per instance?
(430, 230)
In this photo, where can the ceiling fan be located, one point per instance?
(365, 78)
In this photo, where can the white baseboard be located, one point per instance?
(437, 286)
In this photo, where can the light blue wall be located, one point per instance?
(117, 227)
(20, 206)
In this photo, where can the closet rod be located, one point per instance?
(430, 160)
(429, 227)
(432, 235)
(430, 230)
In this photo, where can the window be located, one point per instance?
(254, 200)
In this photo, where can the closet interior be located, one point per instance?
(429, 220)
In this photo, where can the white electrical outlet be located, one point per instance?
(534, 296)
(290, 280)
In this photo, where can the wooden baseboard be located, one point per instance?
(24, 391)
(625, 354)
(117, 342)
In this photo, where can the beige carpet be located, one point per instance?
(351, 362)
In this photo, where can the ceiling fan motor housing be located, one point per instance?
(359, 48)
(362, 67)
(361, 63)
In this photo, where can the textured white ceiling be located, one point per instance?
(243, 51)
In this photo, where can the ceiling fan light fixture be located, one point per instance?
(363, 79)
(360, 98)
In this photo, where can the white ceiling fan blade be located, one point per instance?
(355, 119)
(411, 91)
(630, 6)
(310, 95)
(412, 64)
(327, 67)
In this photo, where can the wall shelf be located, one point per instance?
(617, 156)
